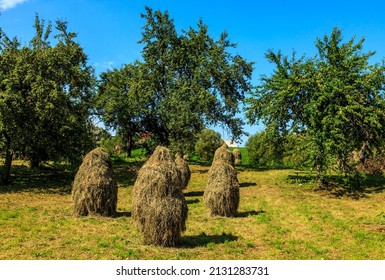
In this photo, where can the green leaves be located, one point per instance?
(200, 82)
(46, 95)
(187, 81)
(336, 98)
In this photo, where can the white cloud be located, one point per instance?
(9, 4)
(104, 65)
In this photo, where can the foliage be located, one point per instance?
(183, 83)
(335, 98)
(112, 144)
(122, 105)
(208, 141)
(265, 148)
(297, 150)
(45, 96)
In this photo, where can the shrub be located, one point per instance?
(207, 143)
(262, 149)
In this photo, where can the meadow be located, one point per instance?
(281, 216)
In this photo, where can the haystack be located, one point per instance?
(184, 170)
(221, 195)
(222, 154)
(158, 204)
(94, 190)
(237, 156)
(186, 157)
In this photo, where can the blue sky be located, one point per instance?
(109, 30)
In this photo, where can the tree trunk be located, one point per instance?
(8, 161)
(362, 155)
(129, 144)
(34, 161)
(319, 168)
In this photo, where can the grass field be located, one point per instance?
(281, 216)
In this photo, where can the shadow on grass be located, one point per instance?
(202, 240)
(193, 193)
(258, 168)
(249, 213)
(44, 180)
(192, 201)
(58, 178)
(301, 177)
(126, 173)
(247, 184)
(122, 214)
(336, 186)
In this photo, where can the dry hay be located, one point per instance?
(186, 157)
(222, 154)
(94, 190)
(184, 170)
(221, 195)
(158, 204)
(237, 156)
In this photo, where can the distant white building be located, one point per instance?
(231, 144)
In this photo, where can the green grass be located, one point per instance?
(281, 216)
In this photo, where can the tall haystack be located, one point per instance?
(184, 170)
(158, 204)
(221, 195)
(94, 190)
(237, 156)
(222, 154)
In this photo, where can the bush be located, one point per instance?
(264, 149)
(113, 145)
(208, 142)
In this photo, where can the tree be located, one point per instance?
(9, 131)
(265, 148)
(208, 141)
(121, 104)
(193, 81)
(45, 97)
(336, 98)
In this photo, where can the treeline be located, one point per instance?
(317, 110)
(49, 94)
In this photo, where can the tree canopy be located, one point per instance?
(189, 81)
(45, 96)
(335, 97)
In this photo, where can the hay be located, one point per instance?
(94, 190)
(158, 205)
(237, 156)
(186, 157)
(221, 195)
(222, 154)
(184, 170)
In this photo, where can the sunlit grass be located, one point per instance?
(281, 216)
